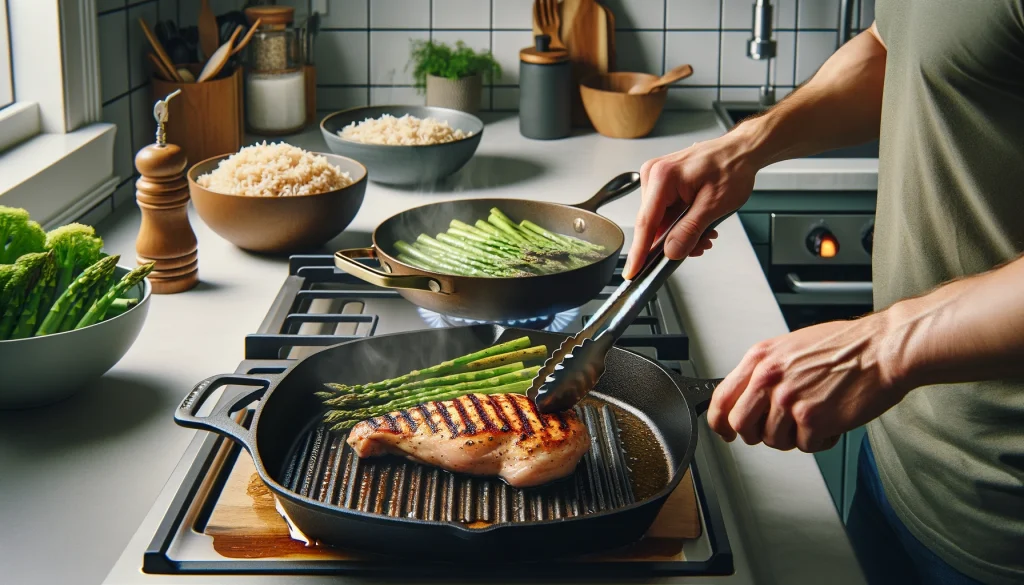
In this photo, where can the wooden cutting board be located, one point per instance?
(245, 523)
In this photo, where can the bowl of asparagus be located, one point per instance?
(68, 311)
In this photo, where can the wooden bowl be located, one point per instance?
(617, 114)
(279, 224)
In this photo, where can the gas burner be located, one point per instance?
(554, 323)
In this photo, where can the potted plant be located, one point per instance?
(452, 77)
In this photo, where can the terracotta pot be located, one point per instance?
(461, 94)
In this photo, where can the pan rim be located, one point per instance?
(392, 258)
(660, 496)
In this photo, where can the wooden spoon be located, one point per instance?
(248, 36)
(674, 75)
(209, 33)
(159, 68)
(160, 52)
(218, 59)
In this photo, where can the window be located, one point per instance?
(6, 85)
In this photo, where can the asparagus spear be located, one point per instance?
(446, 240)
(413, 262)
(27, 271)
(429, 245)
(120, 306)
(447, 367)
(341, 424)
(529, 225)
(99, 308)
(382, 396)
(40, 291)
(75, 293)
(435, 264)
(485, 243)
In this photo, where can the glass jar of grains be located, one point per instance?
(275, 87)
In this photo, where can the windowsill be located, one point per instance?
(18, 122)
(57, 177)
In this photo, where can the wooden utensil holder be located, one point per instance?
(209, 116)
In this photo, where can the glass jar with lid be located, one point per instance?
(275, 86)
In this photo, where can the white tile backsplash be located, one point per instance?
(113, 54)
(512, 14)
(340, 98)
(341, 57)
(818, 14)
(389, 56)
(812, 49)
(462, 14)
(413, 14)
(143, 123)
(693, 14)
(118, 113)
(396, 96)
(138, 46)
(631, 14)
(345, 14)
(639, 51)
(505, 45)
(699, 49)
(690, 98)
(363, 49)
(506, 98)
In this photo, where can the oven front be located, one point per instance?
(819, 266)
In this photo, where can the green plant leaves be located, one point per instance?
(441, 60)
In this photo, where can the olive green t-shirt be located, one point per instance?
(951, 204)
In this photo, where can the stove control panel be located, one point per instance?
(822, 239)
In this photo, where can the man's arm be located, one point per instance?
(805, 388)
(839, 106)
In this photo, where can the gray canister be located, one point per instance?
(545, 86)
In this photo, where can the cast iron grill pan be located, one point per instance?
(323, 467)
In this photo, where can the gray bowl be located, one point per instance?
(405, 165)
(38, 371)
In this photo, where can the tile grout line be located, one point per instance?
(664, 36)
(721, 53)
(369, 93)
(490, 44)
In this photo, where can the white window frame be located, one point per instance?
(6, 85)
(56, 157)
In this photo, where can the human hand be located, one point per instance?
(804, 389)
(713, 178)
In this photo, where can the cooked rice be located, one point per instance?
(405, 131)
(274, 170)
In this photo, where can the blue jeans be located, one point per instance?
(887, 551)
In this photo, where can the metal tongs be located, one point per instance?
(578, 363)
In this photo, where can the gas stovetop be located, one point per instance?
(219, 520)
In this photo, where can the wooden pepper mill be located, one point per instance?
(165, 236)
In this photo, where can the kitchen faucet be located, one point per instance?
(761, 46)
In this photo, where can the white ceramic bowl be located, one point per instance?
(38, 371)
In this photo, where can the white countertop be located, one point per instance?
(77, 478)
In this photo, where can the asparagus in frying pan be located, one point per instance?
(499, 248)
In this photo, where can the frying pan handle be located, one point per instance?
(345, 260)
(220, 421)
(618, 187)
(697, 391)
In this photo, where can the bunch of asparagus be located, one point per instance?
(499, 369)
(498, 247)
(57, 281)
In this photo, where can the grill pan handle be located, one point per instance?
(220, 421)
(345, 260)
(698, 391)
(617, 188)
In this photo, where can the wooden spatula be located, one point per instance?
(218, 59)
(674, 75)
(209, 34)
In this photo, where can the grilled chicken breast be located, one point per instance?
(498, 435)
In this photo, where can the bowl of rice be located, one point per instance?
(404, 145)
(277, 198)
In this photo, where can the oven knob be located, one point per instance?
(822, 243)
(869, 239)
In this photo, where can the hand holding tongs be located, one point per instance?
(578, 363)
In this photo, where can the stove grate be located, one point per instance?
(323, 467)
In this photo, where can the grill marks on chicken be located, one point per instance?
(498, 435)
